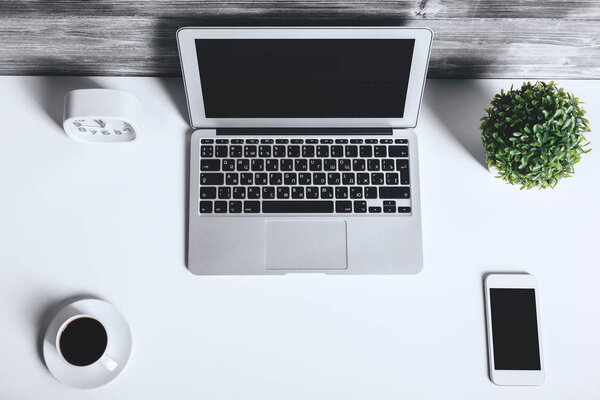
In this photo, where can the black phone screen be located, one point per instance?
(514, 329)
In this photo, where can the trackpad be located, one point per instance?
(302, 245)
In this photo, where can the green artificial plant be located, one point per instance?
(533, 136)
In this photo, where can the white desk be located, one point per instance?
(110, 220)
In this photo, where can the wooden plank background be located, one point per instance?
(543, 39)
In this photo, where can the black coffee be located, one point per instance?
(83, 341)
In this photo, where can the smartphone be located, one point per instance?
(513, 329)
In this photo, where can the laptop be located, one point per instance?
(304, 157)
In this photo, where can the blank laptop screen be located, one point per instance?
(304, 78)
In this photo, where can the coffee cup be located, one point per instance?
(82, 341)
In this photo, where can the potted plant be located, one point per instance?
(533, 136)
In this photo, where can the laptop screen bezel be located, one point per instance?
(186, 40)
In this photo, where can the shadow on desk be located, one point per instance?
(50, 91)
(459, 104)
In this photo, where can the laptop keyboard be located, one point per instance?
(304, 176)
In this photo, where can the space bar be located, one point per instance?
(303, 206)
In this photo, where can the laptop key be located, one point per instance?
(348, 178)
(301, 164)
(398, 151)
(252, 207)
(344, 165)
(373, 165)
(207, 141)
(326, 192)
(220, 207)
(206, 207)
(312, 192)
(210, 165)
(264, 151)
(394, 192)
(272, 165)
(250, 151)
(297, 206)
(358, 164)
(308, 151)
(253, 192)
(286, 165)
(221, 151)
(360, 206)
(337, 151)
(293, 151)
(275, 178)
(208, 192)
(370, 192)
(315, 164)
(290, 178)
(389, 207)
(239, 192)
(246, 178)
(268, 192)
(343, 206)
(232, 178)
(319, 178)
(322, 151)
(243, 165)
(278, 151)
(362, 178)
(333, 178)
(297, 192)
(351, 151)
(330, 165)
(391, 178)
(283, 192)
(211, 178)
(235, 207)
(261, 178)
(257, 164)
(404, 209)
(366, 151)
(235, 151)
(387, 165)
(304, 178)
(341, 192)
(356, 192)
(228, 165)
(402, 166)
(224, 192)
(374, 210)
(379, 151)
(377, 178)
(206, 151)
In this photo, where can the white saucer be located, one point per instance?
(118, 347)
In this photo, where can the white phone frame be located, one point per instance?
(191, 74)
(512, 377)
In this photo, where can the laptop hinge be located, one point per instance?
(304, 131)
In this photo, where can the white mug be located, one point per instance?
(105, 360)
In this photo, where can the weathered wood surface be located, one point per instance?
(473, 38)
